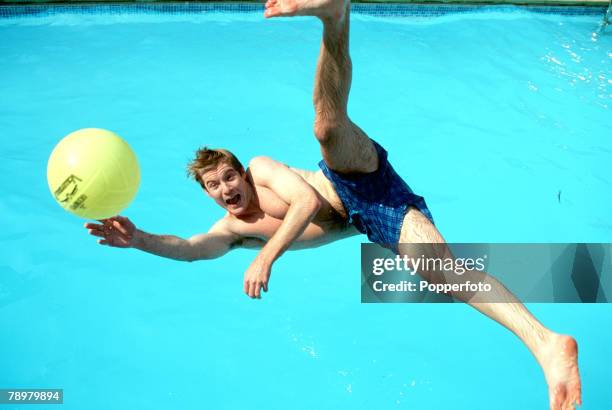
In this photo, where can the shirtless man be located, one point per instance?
(274, 207)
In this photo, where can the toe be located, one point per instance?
(575, 394)
(575, 399)
(557, 398)
(272, 11)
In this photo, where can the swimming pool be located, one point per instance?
(499, 116)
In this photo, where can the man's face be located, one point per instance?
(228, 187)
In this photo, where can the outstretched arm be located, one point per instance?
(304, 203)
(120, 232)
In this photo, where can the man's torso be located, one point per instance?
(328, 225)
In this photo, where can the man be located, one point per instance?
(274, 207)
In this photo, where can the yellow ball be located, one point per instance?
(93, 173)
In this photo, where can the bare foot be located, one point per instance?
(559, 360)
(321, 8)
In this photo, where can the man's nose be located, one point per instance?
(225, 188)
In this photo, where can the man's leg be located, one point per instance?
(556, 354)
(345, 147)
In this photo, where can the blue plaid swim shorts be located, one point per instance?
(376, 202)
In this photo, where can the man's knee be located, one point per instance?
(326, 129)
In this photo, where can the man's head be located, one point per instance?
(223, 178)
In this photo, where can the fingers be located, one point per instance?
(117, 225)
(258, 290)
(96, 232)
(95, 229)
(125, 222)
(256, 278)
(106, 224)
(90, 225)
(120, 223)
(253, 288)
(251, 291)
(112, 232)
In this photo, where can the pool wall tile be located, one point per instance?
(371, 9)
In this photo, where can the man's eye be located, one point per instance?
(229, 178)
(212, 186)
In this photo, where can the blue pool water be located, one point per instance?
(500, 118)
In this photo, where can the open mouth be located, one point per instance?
(233, 200)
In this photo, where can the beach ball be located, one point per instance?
(93, 173)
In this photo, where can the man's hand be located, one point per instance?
(117, 231)
(256, 277)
